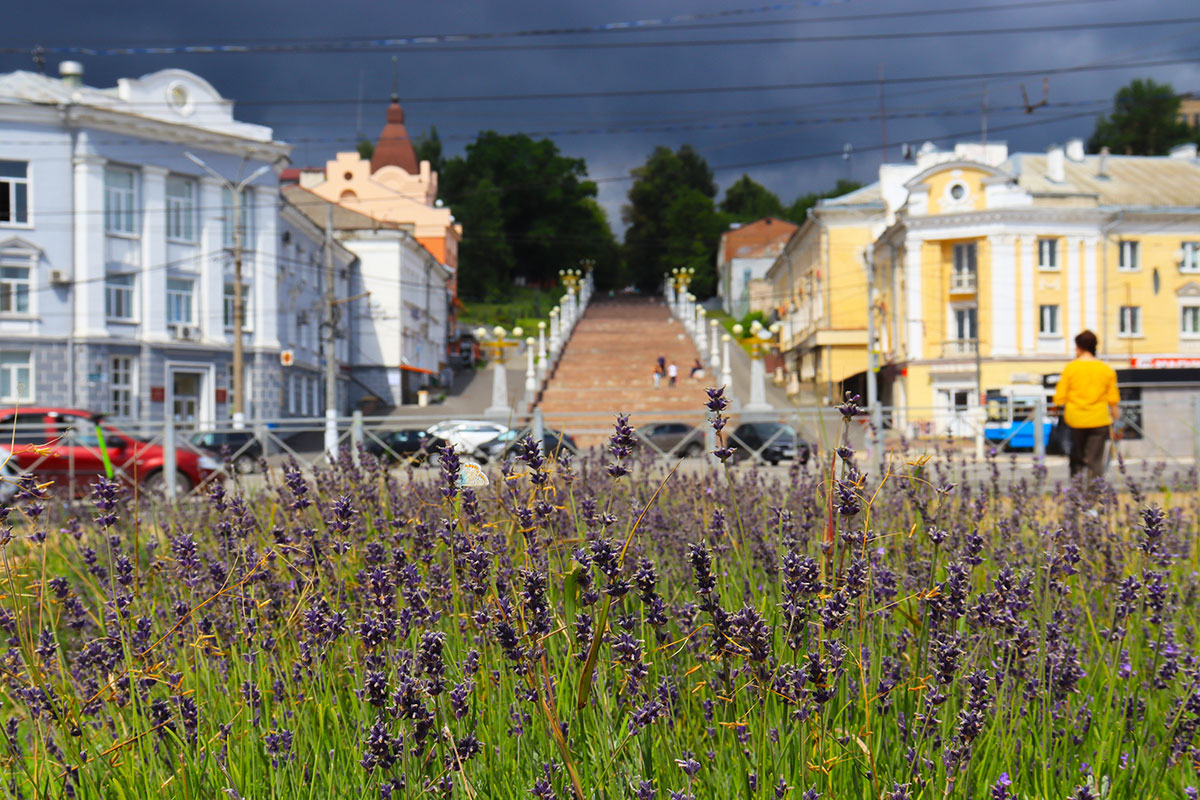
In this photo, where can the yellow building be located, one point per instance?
(819, 286)
(985, 266)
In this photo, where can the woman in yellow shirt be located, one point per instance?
(1087, 393)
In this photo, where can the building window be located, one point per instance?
(118, 296)
(14, 290)
(964, 324)
(120, 201)
(179, 301)
(1049, 321)
(1128, 259)
(1189, 257)
(965, 260)
(181, 209)
(1130, 321)
(228, 307)
(14, 192)
(246, 215)
(120, 401)
(1189, 321)
(293, 394)
(1048, 254)
(16, 376)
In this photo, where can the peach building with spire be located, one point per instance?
(392, 186)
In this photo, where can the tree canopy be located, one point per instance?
(429, 148)
(527, 211)
(747, 200)
(1144, 121)
(660, 235)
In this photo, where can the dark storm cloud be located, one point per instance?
(746, 126)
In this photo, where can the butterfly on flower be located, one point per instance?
(472, 475)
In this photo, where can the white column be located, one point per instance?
(152, 280)
(555, 340)
(208, 298)
(499, 404)
(263, 314)
(530, 374)
(1004, 297)
(726, 368)
(1074, 308)
(541, 350)
(1028, 317)
(758, 386)
(89, 244)
(714, 355)
(1091, 285)
(912, 299)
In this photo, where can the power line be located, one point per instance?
(645, 127)
(706, 90)
(681, 22)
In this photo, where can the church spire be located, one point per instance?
(394, 147)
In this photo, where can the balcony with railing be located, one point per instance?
(953, 348)
(962, 282)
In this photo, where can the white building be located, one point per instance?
(116, 289)
(397, 306)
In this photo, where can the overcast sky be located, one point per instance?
(783, 137)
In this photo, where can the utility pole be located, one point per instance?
(239, 310)
(876, 432)
(331, 327)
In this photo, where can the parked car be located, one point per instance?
(772, 441)
(467, 435)
(674, 438)
(245, 449)
(9, 474)
(51, 442)
(408, 445)
(504, 445)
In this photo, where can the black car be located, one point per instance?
(772, 441)
(409, 445)
(504, 445)
(243, 448)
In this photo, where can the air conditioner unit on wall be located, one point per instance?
(184, 333)
(59, 277)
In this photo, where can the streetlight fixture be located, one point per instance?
(762, 337)
(497, 345)
(239, 307)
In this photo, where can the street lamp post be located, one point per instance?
(762, 338)
(497, 345)
(239, 307)
(680, 278)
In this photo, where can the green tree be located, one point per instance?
(658, 236)
(526, 210)
(365, 148)
(429, 148)
(747, 200)
(1144, 121)
(797, 212)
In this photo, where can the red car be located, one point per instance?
(56, 443)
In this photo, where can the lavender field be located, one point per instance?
(601, 628)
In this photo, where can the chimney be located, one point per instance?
(1186, 151)
(1056, 168)
(1075, 149)
(1102, 163)
(71, 73)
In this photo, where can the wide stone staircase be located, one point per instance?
(608, 367)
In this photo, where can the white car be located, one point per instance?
(9, 474)
(465, 435)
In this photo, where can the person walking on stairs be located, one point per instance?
(657, 375)
(672, 373)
